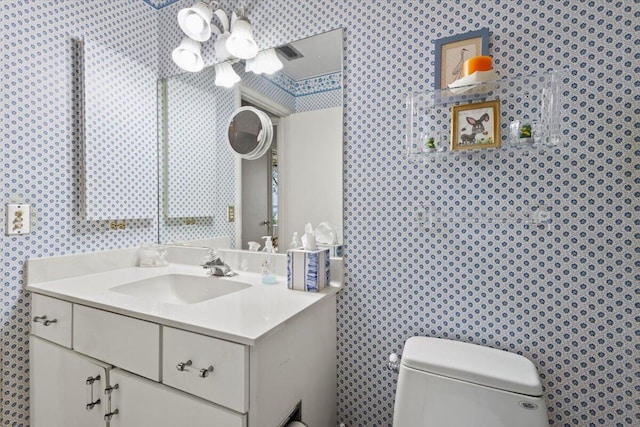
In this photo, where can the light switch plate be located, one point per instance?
(231, 213)
(18, 219)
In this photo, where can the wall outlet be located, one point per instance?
(18, 219)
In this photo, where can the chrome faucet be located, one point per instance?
(216, 266)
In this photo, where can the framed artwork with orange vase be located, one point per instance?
(451, 52)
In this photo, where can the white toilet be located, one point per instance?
(446, 383)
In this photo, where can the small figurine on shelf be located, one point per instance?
(521, 132)
(430, 144)
(525, 131)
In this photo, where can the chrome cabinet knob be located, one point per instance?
(90, 406)
(183, 365)
(108, 416)
(44, 320)
(204, 373)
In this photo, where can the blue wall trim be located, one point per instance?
(165, 3)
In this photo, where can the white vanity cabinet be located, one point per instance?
(71, 390)
(123, 371)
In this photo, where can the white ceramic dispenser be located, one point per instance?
(268, 265)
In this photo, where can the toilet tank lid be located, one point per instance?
(473, 363)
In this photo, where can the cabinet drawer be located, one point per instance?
(226, 385)
(128, 343)
(51, 319)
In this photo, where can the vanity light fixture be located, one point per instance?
(187, 55)
(226, 75)
(234, 41)
(266, 62)
(241, 43)
(195, 21)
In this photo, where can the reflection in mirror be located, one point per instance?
(297, 181)
(250, 133)
(244, 129)
(189, 145)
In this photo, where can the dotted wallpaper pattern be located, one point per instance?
(565, 296)
(190, 145)
(546, 294)
(119, 148)
(41, 154)
(220, 184)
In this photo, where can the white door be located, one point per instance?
(258, 198)
(143, 403)
(66, 388)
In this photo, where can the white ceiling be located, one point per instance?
(322, 55)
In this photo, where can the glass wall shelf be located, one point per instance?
(431, 217)
(531, 114)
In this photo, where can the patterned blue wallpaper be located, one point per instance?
(566, 296)
(123, 143)
(41, 153)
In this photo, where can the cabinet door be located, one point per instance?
(63, 383)
(143, 403)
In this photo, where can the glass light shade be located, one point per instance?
(241, 43)
(266, 62)
(272, 62)
(226, 75)
(187, 55)
(250, 65)
(195, 21)
(222, 54)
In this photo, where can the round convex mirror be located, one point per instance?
(250, 133)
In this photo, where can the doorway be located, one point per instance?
(259, 194)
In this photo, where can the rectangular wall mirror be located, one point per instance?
(118, 142)
(203, 186)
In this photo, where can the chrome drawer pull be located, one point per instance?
(187, 366)
(89, 382)
(107, 417)
(110, 412)
(110, 390)
(183, 365)
(44, 320)
(204, 373)
(92, 404)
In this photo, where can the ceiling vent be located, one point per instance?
(289, 52)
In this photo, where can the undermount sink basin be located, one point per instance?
(180, 288)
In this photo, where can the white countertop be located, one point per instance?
(243, 316)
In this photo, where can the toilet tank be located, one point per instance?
(446, 383)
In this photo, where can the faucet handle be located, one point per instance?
(210, 255)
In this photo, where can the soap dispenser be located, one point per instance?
(268, 276)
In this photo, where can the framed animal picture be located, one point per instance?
(475, 125)
(451, 52)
